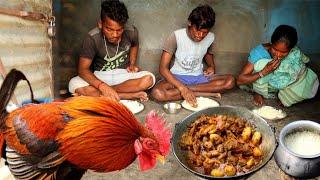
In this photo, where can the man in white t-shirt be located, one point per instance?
(190, 46)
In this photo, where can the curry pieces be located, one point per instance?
(222, 145)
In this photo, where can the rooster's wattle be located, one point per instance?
(62, 139)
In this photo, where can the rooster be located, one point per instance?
(61, 140)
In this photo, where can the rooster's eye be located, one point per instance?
(149, 143)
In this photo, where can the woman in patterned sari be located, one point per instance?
(279, 69)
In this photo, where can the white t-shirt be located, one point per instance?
(189, 54)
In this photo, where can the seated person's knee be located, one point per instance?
(146, 82)
(148, 79)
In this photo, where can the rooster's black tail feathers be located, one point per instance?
(7, 88)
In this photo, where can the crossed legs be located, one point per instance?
(130, 89)
(165, 91)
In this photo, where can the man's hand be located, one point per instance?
(107, 91)
(188, 95)
(271, 66)
(209, 71)
(132, 68)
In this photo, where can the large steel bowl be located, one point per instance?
(268, 144)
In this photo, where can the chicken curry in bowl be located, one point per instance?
(223, 142)
(222, 145)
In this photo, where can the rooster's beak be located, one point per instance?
(161, 158)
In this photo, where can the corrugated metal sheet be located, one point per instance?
(42, 6)
(25, 45)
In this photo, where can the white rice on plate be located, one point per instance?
(203, 103)
(133, 106)
(269, 112)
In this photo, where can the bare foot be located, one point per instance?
(75, 94)
(258, 100)
(141, 95)
(88, 91)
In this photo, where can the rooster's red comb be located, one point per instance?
(157, 124)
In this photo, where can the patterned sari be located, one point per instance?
(292, 80)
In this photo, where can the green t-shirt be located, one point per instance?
(95, 48)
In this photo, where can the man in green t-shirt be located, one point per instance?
(107, 64)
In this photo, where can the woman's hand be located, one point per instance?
(188, 95)
(109, 92)
(258, 100)
(132, 68)
(271, 66)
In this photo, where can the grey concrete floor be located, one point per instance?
(308, 110)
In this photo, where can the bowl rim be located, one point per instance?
(225, 177)
(285, 130)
